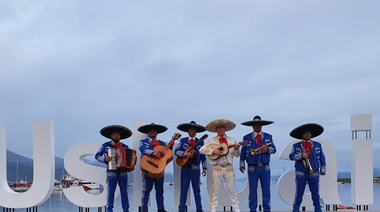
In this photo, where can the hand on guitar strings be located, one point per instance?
(158, 154)
(217, 152)
(190, 154)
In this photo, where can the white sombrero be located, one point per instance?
(229, 125)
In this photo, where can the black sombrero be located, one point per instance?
(186, 126)
(256, 121)
(123, 131)
(145, 128)
(314, 129)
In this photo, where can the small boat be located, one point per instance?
(57, 185)
(67, 181)
(87, 185)
(170, 183)
(344, 207)
(20, 186)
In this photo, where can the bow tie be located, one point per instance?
(192, 142)
(307, 147)
(223, 140)
(155, 143)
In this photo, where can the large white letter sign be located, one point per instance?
(361, 161)
(328, 183)
(75, 166)
(43, 171)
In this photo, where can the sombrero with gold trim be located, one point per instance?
(229, 125)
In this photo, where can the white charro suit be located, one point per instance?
(222, 171)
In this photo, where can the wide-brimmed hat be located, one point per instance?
(229, 125)
(313, 128)
(186, 126)
(123, 131)
(145, 128)
(256, 121)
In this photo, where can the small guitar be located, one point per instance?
(224, 148)
(184, 161)
(154, 166)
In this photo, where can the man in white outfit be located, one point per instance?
(221, 160)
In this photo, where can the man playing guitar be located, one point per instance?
(222, 169)
(187, 152)
(147, 148)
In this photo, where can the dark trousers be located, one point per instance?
(113, 179)
(256, 173)
(313, 180)
(190, 173)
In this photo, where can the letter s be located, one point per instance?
(76, 167)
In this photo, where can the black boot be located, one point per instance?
(161, 210)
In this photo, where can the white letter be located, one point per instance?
(77, 168)
(43, 171)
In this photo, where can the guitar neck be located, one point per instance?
(170, 144)
(240, 143)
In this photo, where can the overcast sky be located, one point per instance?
(87, 64)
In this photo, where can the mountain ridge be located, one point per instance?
(20, 167)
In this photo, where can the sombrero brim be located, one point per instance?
(145, 128)
(229, 125)
(186, 126)
(257, 123)
(123, 131)
(314, 129)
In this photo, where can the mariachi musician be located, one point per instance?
(188, 149)
(114, 177)
(257, 156)
(147, 147)
(310, 162)
(222, 171)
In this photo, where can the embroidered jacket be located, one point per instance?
(317, 159)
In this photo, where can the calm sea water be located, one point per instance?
(59, 203)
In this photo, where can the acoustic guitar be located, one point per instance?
(224, 148)
(184, 161)
(154, 166)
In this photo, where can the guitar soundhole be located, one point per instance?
(221, 149)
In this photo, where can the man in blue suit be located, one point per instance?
(257, 155)
(114, 177)
(147, 148)
(309, 163)
(188, 148)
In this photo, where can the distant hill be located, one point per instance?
(21, 168)
(346, 175)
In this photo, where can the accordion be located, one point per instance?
(123, 159)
